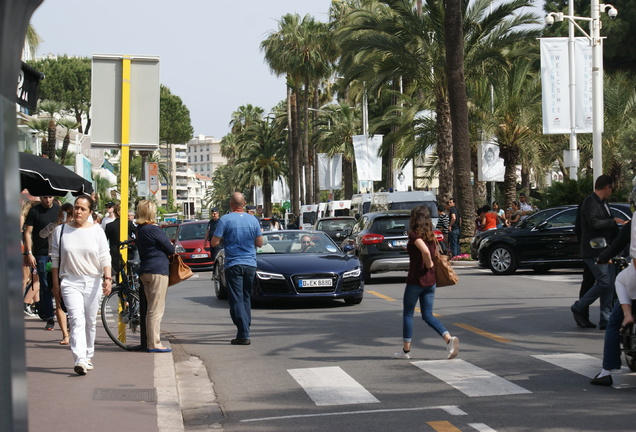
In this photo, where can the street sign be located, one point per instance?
(153, 177)
(286, 205)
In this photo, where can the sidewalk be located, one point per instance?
(126, 390)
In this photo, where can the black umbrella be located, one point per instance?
(43, 177)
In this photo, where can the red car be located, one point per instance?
(191, 245)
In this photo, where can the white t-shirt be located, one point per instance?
(85, 251)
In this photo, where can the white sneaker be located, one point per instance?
(453, 347)
(89, 366)
(80, 369)
(402, 355)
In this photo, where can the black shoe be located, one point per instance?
(606, 381)
(238, 341)
(50, 325)
(580, 319)
(588, 323)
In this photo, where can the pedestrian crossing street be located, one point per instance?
(332, 386)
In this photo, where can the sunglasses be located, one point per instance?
(306, 242)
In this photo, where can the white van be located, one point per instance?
(360, 204)
(405, 200)
(309, 214)
(338, 208)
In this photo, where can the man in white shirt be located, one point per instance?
(109, 216)
(524, 206)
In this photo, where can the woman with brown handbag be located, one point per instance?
(420, 283)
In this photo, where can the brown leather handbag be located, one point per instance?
(444, 273)
(179, 271)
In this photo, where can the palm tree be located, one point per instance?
(262, 159)
(52, 108)
(68, 124)
(42, 126)
(333, 133)
(244, 117)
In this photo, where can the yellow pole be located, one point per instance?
(124, 164)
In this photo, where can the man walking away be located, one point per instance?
(597, 224)
(241, 234)
(454, 228)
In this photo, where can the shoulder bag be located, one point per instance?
(444, 273)
(179, 271)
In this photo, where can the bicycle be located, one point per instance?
(120, 309)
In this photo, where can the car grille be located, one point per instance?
(273, 286)
(310, 290)
(350, 284)
(190, 250)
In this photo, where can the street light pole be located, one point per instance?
(597, 72)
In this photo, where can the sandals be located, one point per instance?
(65, 340)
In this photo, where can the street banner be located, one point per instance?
(403, 176)
(368, 163)
(490, 167)
(330, 171)
(555, 81)
(153, 177)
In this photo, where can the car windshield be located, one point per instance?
(192, 231)
(335, 224)
(297, 242)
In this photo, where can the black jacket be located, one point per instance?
(596, 221)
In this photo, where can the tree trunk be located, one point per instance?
(347, 171)
(307, 160)
(458, 101)
(267, 195)
(444, 146)
(65, 144)
(52, 140)
(293, 178)
(316, 182)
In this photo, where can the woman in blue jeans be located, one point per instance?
(420, 283)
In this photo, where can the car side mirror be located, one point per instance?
(348, 248)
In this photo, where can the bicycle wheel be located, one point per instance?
(121, 318)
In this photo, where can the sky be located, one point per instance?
(209, 50)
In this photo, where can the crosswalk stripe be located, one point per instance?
(331, 386)
(481, 427)
(588, 366)
(443, 426)
(469, 379)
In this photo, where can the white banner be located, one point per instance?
(368, 163)
(555, 82)
(490, 167)
(403, 177)
(330, 171)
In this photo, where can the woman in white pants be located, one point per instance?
(81, 265)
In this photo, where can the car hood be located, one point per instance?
(189, 244)
(305, 263)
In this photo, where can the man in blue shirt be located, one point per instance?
(241, 234)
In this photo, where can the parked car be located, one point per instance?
(379, 241)
(543, 241)
(284, 272)
(337, 227)
(171, 230)
(191, 245)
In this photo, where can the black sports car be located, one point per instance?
(295, 264)
(542, 241)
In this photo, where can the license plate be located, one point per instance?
(316, 283)
(399, 243)
(194, 256)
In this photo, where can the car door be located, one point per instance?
(532, 240)
(553, 239)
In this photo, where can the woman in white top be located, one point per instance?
(81, 264)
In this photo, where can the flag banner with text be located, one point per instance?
(555, 82)
(368, 163)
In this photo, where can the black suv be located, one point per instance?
(379, 241)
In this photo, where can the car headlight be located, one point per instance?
(179, 249)
(267, 276)
(352, 273)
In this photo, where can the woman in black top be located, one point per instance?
(420, 283)
(154, 248)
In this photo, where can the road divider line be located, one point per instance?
(382, 296)
(483, 333)
(443, 426)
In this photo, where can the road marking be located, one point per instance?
(443, 426)
(481, 427)
(469, 379)
(483, 333)
(331, 386)
(382, 296)
(449, 409)
(589, 366)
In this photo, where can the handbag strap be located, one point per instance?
(59, 266)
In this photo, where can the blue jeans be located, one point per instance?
(426, 296)
(453, 238)
(45, 305)
(602, 289)
(240, 280)
(612, 346)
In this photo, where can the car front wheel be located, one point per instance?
(501, 260)
(219, 289)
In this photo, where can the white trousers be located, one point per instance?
(81, 296)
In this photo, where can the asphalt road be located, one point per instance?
(523, 363)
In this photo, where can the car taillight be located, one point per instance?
(439, 236)
(369, 239)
